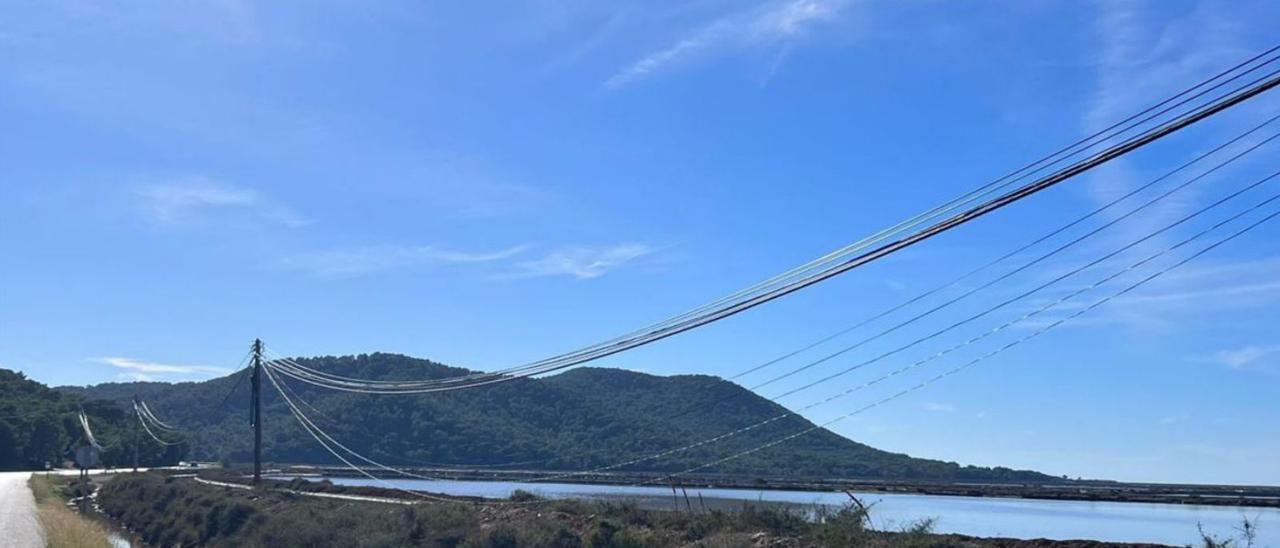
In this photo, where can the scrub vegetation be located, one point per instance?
(169, 511)
(178, 511)
(62, 526)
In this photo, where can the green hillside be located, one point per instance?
(39, 427)
(579, 419)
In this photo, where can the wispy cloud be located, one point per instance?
(1245, 357)
(348, 263)
(1141, 59)
(776, 26)
(139, 370)
(936, 407)
(582, 262)
(1196, 292)
(192, 199)
(1193, 293)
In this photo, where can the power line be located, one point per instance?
(295, 370)
(302, 416)
(1258, 86)
(144, 419)
(1018, 174)
(975, 361)
(320, 436)
(973, 340)
(1044, 256)
(710, 403)
(1223, 102)
(88, 432)
(400, 387)
(239, 380)
(146, 410)
(1023, 295)
(328, 443)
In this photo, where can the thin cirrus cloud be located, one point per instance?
(140, 370)
(1136, 64)
(935, 407)
(581, 262)
(190, 200)
(1200, 291)
(775, 25)
(355, 262)
(1245, 357)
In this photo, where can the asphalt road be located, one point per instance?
(19, 526)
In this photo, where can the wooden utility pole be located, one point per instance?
(256, 412)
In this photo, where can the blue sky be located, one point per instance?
(489, 183)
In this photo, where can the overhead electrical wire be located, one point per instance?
(1015, 252)
(979, 359)
(1020, 296)
(405, 387)
(307, 420)
(1042, 257)
(145, 409)
(317, 433)
(1149, 236)
(239, 380)
(710, 403)
(982, 191)
(687, 321)
(88, 432)
(320, 437)
(308, 426)
(980, 337)
(298, 397)
(1217, 105)
(148, 421)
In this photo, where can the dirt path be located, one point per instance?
(19, 526)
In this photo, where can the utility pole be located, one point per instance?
(137, 419)
(256, 411)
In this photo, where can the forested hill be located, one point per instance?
(579, 419)
(39, 427)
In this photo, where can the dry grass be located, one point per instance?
(63, 527)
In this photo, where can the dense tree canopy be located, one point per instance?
(579, 419)
(39, 428)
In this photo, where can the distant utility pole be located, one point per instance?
(255, 401)
(136, 421)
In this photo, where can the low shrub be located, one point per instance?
(62, 526)
(167, 511)
(520, 495)
(776, 519)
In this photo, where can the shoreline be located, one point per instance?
(1176, 494)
